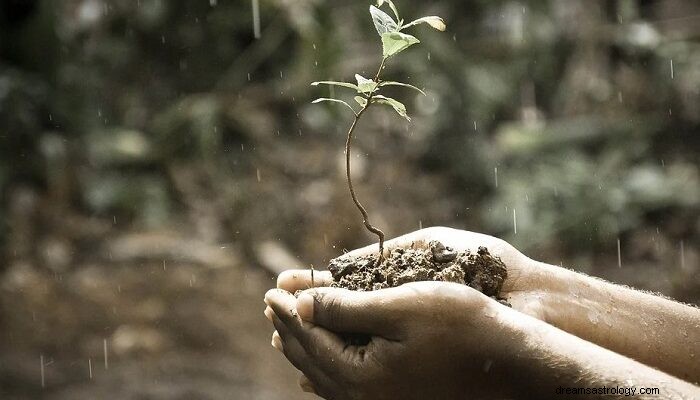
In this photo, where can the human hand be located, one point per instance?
(524, 288)
(426, 340)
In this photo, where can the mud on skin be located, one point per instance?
(480, 270)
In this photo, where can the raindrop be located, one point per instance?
(314, 45)
(162, 39)
(212, 3)
(671, 68)
(90, 368)
(420, 224)
(619, 96)
(43, 380)
(428, 56)
(257, 173)
(475, 126)
(682, 255)
(619, 254)
(104, 348)
(256, 19)
(495, 175)
(248, 76)
(515, 222)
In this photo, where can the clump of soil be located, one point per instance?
(481, 270)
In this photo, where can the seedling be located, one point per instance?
(394, 41)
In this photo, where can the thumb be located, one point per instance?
(346, 311)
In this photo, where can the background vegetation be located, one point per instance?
(156, 158)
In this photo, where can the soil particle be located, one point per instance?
(479, 270)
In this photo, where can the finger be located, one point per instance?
(306, 385)
(276, 341)
(300, 279)
(346, 311)
(326, 348)
(301, 358)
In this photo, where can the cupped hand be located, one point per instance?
(524, 287)
(426, 340)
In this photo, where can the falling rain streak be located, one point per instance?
(256, 19)
(619, 254)
(515, 223)
(43, 380)
(682, 256)
(104, 346)
(671, 68)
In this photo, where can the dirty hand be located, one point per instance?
(523, 288)
(422, 340)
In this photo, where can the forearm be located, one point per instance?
(656, 331)
(547, 361)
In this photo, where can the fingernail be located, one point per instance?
(306, 387)
(305, 307)
(268, 313)
(276, 341)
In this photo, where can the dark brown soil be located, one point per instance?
(479, 270)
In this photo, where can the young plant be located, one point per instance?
(394, 41)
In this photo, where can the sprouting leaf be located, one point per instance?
(397, 105)
(383, 23)
(392, 83)
(434, 21)
(334, 83)
(396, 42)
(391, 4)
(361, 101)
(365, 85)
(334, 101)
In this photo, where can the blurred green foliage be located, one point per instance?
(586, 113)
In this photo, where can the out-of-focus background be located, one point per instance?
(160, 161)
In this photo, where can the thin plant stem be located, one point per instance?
(348, 144)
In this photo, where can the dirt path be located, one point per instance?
(178, 319)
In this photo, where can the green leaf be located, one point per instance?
(383, 23)
(334, 83)
(361, 101)
(397, 105)
(392, 83)
(334, 101)
(391, 4)
(365, 85)
(434, 21)
(396, 42)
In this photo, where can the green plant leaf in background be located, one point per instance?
(383, 23)
(334, 83)
(322, 99)
(434, 21)
(392, 6)
(396, 42)
(365, 85)
(397, 105)
(392, 83)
